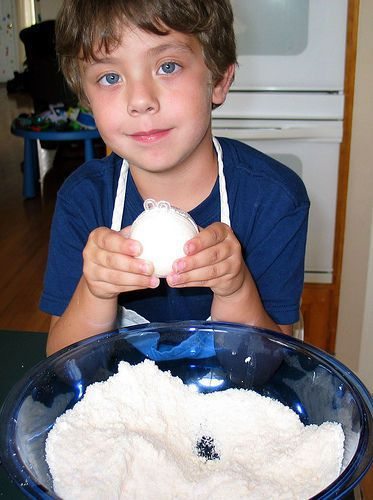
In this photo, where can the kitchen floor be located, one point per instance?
(24, 230)
(25, 224)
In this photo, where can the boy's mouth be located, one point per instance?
(150, 136)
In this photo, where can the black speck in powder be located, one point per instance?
(206, 448)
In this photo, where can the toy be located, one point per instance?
(162, 231)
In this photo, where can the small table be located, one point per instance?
(30, 159)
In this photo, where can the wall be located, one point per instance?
(354, 343)
(46, 9)
(9, 62)
(25, 17)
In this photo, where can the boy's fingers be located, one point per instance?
(127, 280)
(114, 241)
(208, 237)
(126, 232)
(205, 258)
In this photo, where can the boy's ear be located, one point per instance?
(222, 87)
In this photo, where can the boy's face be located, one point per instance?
(151, 97)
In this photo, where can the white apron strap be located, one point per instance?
(224, 207)
(127, 317)
(116, 221)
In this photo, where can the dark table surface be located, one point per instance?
(19, 351)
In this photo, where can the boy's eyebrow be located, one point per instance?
(154, 51)
(183, 47)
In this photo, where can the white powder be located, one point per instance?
(143, 434)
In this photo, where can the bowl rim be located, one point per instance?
(28, 485)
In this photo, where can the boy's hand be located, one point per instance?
(213, 259)
(110, 265)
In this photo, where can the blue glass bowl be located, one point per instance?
(211, 356)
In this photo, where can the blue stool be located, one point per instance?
(30, 159)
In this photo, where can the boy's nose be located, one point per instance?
(141, 99)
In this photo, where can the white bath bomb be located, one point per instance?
(162, 231)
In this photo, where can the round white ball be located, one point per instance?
(162, 234)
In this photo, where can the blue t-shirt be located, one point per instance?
(268, 207)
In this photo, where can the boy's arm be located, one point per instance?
(85, 316)
(214, 259)
(245, 306)
(110, 267)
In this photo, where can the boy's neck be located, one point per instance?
(184, 187)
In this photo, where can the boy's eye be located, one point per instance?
(168, 68)
(109, 79)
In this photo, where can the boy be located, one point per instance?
(152, 71)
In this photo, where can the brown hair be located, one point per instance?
(85, 26)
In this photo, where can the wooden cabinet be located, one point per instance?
(316, 309)
(320, 301)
